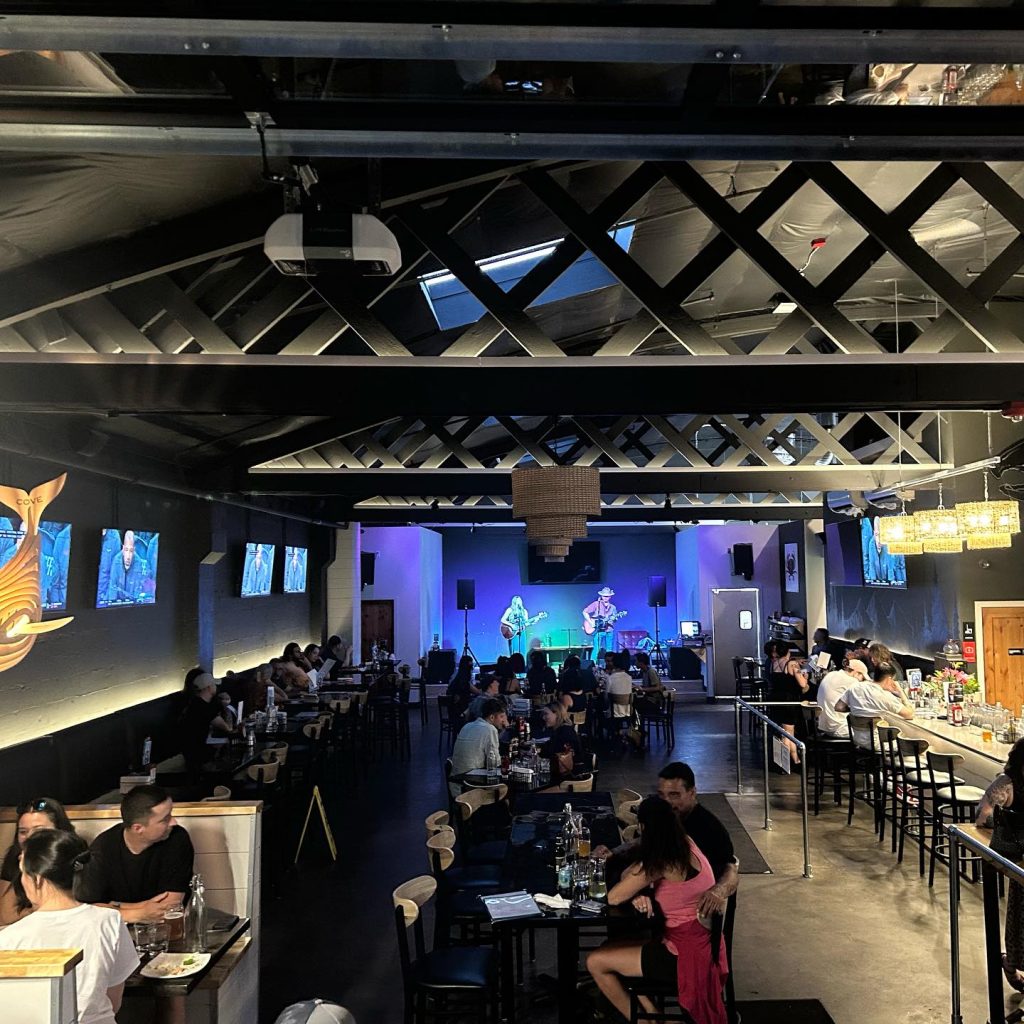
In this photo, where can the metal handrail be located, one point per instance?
(991, 863)
(741, 705)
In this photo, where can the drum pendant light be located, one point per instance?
(556, 502)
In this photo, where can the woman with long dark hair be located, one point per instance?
(50, 861)
(33, 816)
(1003, 803)
(687, 954)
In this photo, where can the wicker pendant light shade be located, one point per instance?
(986, 541)
(988, 517)
(905, 547)
(899, 529)
(556, 502)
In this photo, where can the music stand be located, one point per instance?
(466, 649)
(658, 658)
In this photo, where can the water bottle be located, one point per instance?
(565, 880)
(195, 917)
(598, 885)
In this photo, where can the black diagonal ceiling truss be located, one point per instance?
(212, 327)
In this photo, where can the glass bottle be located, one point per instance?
(195, 917)
(598, 885)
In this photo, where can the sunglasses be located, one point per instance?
(35, 805)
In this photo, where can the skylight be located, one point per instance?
(454, 306)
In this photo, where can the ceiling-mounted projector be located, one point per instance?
(305, 244)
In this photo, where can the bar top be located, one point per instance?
(961, 736)
(38, 963)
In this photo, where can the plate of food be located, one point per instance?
(166, 966)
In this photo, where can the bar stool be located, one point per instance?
(891, 779)
(917, 783)
(955, 801)
(827, 754)
(864, 760)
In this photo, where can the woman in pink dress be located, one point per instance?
(679, 875)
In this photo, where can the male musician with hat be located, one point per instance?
(598, 617)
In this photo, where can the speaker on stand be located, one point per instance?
(656, 599)
(465, 599)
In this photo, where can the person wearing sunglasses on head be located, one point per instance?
(33, 816)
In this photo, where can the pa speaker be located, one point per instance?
(440, 666)
(465, 594)
(743, 560)
(656, 592)
(367, 562)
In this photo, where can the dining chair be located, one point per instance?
(446, 983)
(219, 793)
(953, 802)
(483, 824)
(827, 754)
(581, 785)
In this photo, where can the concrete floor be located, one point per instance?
(864, 936)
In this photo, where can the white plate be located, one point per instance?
(169, 966)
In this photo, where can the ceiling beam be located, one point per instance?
(362, 484)
(401, 514)
(256, 384)
(655, 32)
(511, 130)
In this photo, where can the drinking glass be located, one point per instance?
(175, 921)
(151, 936)
(492, 765)
(581, 880)
(583, 843)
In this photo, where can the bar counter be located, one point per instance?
(982, 761)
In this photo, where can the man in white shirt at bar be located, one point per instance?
(875, 699)
(833, 686)
(478, 739)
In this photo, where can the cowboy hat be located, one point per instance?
(606, 592)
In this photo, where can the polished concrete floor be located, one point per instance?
(864, 935)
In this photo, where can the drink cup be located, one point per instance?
(175, 921)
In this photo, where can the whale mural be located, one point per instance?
(21, 608)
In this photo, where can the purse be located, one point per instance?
(566, 760)
(1007, 834)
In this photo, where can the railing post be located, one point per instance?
(739, 767)
(803, 807)
(767, 806)
(993, 940)
(954, 933)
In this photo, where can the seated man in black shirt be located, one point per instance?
(201, 712)
(677, 785)
(143, 866)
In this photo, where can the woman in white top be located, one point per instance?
(49, 863)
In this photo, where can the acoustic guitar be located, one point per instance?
(600, 623)
(510, 634)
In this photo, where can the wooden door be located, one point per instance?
(378, 624)
(1002, 631)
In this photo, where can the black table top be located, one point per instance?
(223, 931)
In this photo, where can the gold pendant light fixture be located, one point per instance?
(988, 524)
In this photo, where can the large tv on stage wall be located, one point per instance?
(258, 570)
(294, 570)
(581, 565)
(881, 569)
(128, 563)
(54, 556)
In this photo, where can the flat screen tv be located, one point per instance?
(294, 570)
(258, 570)
(128, 564)
(881, 569)
(54, 556)
(581, 565)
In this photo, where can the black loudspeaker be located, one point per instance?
(440, 666)
(743, 560)
(367, 562)
(656, 592)
(465, 594)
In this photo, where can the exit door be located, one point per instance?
(736, 632)
(1002, 648)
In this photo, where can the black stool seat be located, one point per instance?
(456, 967)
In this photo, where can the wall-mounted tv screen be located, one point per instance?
(294, 570)
(258, 570)
(581, 565)
(54, 555)
(128, 563)
(881, 569)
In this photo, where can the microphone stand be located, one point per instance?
(466, 649)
